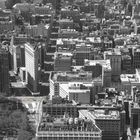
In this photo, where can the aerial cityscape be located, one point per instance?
(69, 69)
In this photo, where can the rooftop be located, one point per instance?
(126, 57)
(63, 55)
(102, 114)
(77, 87)
(129, 78)
(94, 39)
(68, 31)
(62, 41)
(104, 63)
(114, 52)
(31, 46)
(67, 125)
(72, 76)
(69, 8)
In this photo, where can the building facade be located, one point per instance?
(115, 60)
(108, 121)
(4, 71)
(32, 68)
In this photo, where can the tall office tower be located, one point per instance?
(32, 67)
(126, 63)
(115, 59)
(4, 71)
(106, 76)
(123, 122)
(136, 57)
(135, 118)
(18, 57)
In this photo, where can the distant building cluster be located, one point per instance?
(84, 55)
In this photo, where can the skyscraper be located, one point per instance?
(32, 69)
(135, 121)
(4, 71)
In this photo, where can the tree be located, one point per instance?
(10, 3)
(14, 119)
(24, 135)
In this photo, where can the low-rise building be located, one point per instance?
(66, 23)
(62, 61)
(65, 77)
(37, 30)
(82, 51)
(57, 107)
(107, 120)
(6, 26)
(100, 68)
(68, 129)
(68, 33)
(77, 92)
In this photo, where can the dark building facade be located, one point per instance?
(4, 71)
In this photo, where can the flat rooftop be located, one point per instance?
(129, 78)
(98, 114)
(71, 76)
(114, 52)
(73, 88)
(104, 63)
(67, 124)
(64, 55)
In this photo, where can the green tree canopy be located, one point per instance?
(14, 119)
(24, 135)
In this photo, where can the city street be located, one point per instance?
(34, 106)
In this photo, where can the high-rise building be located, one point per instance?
(32, 67)
(18, 57)
(126, 63)
(135, 118)
(4, 71)
(136, 57)
(123, 122)
(115, 60)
